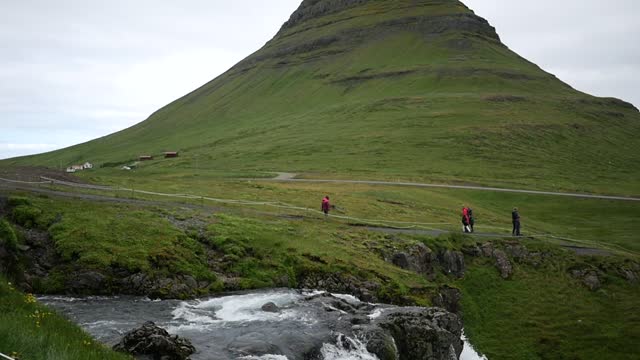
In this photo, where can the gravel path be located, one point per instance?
(290, 177)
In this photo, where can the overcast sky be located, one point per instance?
(74, 70)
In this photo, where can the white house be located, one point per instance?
(87, 165)
(71, 169)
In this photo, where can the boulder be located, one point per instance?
(423, 333)
(89, 282)
(487, 249)
(153, 342)
(472, 250)
(382, 345)
(516, 250)
(590, 278)
(452, 263)
(448, 298)
(270, 307)
(503, 264)
(419, 258)
(401, 260)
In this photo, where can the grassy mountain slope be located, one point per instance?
(389, 89)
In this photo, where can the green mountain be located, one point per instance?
(411, 89)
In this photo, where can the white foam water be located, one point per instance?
(346, 348)
(218, 326)
(468, 352)
(265, 357)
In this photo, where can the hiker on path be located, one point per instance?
(326, 206)
(515, 216)
(465, 219)
(472, 220)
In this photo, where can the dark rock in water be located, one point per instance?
(503, 264)
(178, 287)
(252, 344)
(382, 344)
(89, 282)
(270, 307)
(423, 333)
(153, 342)
(448, 298)
(452, 262)
(339, 283)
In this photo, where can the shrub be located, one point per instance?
(26, 215)
(18, 200)
(8, 237)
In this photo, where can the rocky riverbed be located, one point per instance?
(279, 324)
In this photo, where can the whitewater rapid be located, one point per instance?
(228, 327)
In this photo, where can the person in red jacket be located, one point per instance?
(465, 219)
(326, 206)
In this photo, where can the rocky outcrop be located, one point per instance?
(503, 264)
(310, 9)
(452, 263)
(339, 283)
(630, 272)
(422, 333)
(394, 333)
(448, 298)
(418, 258)
(152, 342)
(177, 287)
(590, 278)
(421, 259)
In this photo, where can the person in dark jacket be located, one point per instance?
(326, 205)
(515, 217)
(472, 220)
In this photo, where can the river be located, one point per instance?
(229, 327)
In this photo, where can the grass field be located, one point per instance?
(539, 306)
(388, 90)
(29, 330)
(380, 92)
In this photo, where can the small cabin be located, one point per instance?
(145, 157)
(170, 154)
(71, 169)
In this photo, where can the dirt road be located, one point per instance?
(291, 178)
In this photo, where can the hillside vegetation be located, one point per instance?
(389, 89)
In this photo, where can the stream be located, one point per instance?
(231, 326)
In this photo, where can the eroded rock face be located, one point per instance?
(178, 287)
(153, 342)
(395, 333)
(452, 263)
(423, 333)
(503, 264)
(418, 258)
(589, 277)
(448, 298)
(339, 283)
